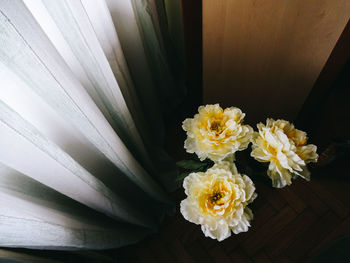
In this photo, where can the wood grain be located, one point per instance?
(264, 56)
(276, 235)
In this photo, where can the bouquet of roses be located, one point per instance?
(217, 194)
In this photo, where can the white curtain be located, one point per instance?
(81, 159)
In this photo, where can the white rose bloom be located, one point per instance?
(217, 199)
(216, 133)
(279, 143)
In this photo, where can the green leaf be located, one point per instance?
(191, 165)
(209, 162)
(203, 168)
(182, 176)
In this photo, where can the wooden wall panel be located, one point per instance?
(265, 55)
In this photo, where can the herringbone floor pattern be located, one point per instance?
(290, 225)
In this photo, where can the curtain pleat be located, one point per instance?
(101, 21)
(131, 20)
(50, 220)
(38, 63)
(83, 89)
(166, 87)
(15, 257)
(124, 19)
(74, 24)
(70, 178)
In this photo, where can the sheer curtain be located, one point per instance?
(84, 84)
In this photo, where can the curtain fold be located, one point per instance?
(15, 257)
(169, 92)
(33, 58)
(50, 220)
(81, 123)
(160, 86)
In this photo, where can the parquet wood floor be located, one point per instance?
(290, 225)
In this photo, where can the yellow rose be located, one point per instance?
(279, 143)
(217, 200)
(215, 133)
